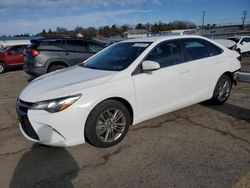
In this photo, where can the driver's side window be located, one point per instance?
(166, 54)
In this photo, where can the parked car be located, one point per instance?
(242, 44)
(47, 55)
(11, 56)
(124, 84)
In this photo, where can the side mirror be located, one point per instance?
(150, 66)
(243, 43)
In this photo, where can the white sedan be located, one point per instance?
(124, 84)
(242, 44)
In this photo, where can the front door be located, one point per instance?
(14, 56)
(161, 91)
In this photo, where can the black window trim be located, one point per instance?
(138, 69)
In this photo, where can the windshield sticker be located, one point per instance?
(142, 45)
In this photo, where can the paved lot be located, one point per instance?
(199, 146)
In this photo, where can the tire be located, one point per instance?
(222, 90)
(101, 130)
(56, 67)
(2, 67)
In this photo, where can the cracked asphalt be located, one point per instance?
(199, 146)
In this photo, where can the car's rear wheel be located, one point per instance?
(222, 90)
(53, 68)
(2, 67)
(107, 124)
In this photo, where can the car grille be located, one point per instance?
(22, 112)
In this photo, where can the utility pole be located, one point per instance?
(244, 18)
(203, 18)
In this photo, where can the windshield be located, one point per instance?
(117, 57)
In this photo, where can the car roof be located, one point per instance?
(162, 38)
(59, 38)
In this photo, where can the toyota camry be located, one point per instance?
(124, 84)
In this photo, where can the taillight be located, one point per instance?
(33, 52)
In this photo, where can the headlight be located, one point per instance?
(56, 105)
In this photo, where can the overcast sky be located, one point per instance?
(31, 16)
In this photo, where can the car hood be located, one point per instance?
(64, 82)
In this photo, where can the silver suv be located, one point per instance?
(47, 55)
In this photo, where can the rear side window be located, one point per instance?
(166, 54)
(214, 50)
(94, 47)
(76, 45)
(195, 49)
(51, 45)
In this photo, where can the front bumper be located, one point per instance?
(65, 128)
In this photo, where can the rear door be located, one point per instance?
(77, 51)
(205, 66)
(50, 50)
(14, 55)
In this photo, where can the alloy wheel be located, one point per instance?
(110, 125)
(223, 90)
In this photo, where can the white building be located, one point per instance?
(135, 33)
(4, 43)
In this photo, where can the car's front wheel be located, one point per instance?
(2, 67)
(107, 124)
(222, 90)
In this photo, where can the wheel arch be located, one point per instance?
(125, 102)
(231, 76)
(52, 63)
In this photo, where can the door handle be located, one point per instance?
(66, 53)
(183, 71)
